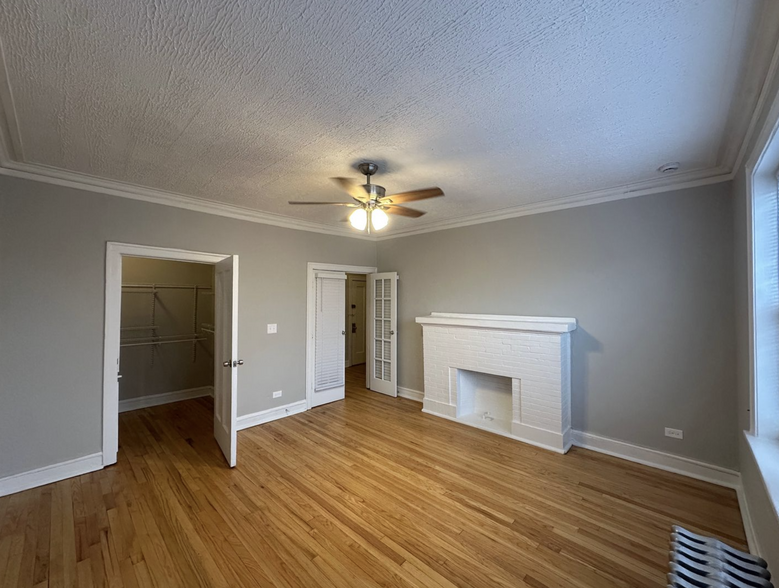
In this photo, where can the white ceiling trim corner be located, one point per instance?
(762, 99)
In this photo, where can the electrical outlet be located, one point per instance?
(277, 394)
(272, 328)
(674, 433)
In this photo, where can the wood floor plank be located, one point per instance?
(367, 492)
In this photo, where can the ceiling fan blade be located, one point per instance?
(422, 194)
(349, 204)
(402, 211)
(352, 188)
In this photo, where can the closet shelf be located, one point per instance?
(162, 342)
(204, 289)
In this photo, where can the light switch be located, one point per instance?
(272, 329)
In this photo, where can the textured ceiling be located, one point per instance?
(254, 103)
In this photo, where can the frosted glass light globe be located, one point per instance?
(379, 219)
(359, 219)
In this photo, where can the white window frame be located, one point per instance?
(763, 278)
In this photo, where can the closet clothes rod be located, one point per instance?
(163, 342)
(167, 286)
(144, 338)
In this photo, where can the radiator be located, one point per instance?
(704, 562)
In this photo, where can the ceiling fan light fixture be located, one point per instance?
(371, 203)
(379, 219)
(359, 219)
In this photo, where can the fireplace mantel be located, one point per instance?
(506, 374)
(538, 324)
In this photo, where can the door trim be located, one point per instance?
(112, 318)
(314, 267)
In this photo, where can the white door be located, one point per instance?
(226, 360)
(329, 338)
(383, 348)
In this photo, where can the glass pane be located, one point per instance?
(387, 350)
(387, 288)
(387, 372)
(377, 333)
(379, 289)
(377, 370)
(378, 309)
(387, 309)
(378, 351)
(387, 329)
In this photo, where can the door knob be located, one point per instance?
(237, 363)
(226, 364)
(343, 332)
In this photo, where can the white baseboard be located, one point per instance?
(746, 519)
(658, 459)
(166, 398)
(265, 416)
(50, 474)
(414, 395)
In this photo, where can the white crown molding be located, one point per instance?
(737, 139)
(687, 180)
(79, 181)
(50, 175)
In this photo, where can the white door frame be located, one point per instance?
(113, 309)
(314, 267)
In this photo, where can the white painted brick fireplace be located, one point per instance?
(510, 375)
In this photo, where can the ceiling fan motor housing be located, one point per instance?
(374, 191)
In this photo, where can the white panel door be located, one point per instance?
(226, 360)
(329, 338)
(382, 325)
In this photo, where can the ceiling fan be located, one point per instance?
(371, 203)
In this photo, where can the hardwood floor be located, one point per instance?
(364, 492)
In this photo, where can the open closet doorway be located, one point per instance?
(159, 303)
(333, 330)
(167, 332)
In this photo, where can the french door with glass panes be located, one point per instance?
(383, 347)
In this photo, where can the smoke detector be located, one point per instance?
(668, 168)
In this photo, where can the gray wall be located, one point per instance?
(52, 255)
(650, 281)
(149, 370)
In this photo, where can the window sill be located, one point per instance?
(766, 454)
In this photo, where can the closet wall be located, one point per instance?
(167, 329)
